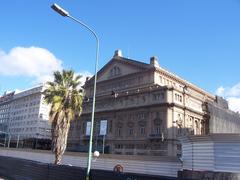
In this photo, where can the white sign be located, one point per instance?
(103, 127)
(88, 128)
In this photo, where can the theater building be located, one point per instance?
(145, 107)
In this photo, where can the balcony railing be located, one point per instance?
(155, 136)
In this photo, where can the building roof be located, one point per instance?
(144, 66)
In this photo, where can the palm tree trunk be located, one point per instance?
(60, 134)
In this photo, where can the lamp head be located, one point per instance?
(59, 10)
(96, 154)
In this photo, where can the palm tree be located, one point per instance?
(65, 97)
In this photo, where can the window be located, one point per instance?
(158, 130)
(158, 96)
(142, 130)
(118, 146)
(130, 132)
(115, 71)
(119, 131)
(41, 115)
(178, 97)
(161, 79)
(130, 146)
(141, 115)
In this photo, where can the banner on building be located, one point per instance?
(88, 128)
(103, 127)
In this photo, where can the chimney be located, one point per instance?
(118, 53)
(154, 61)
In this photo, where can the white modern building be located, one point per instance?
(29, 115)
(5, 107)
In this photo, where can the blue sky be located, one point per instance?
(198, 40)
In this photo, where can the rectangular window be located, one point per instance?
(119, 131)
(142, 130)
(161, 80)
(118, 146)
(41, 115)
(158, 130)
(130, 132)
(180, 98)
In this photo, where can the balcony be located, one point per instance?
(155, 136)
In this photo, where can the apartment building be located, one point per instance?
(5, 107)
(28, 116)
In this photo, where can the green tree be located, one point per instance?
(65, 96)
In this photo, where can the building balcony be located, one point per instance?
(155, 136)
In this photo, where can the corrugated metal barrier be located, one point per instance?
(214, 152)
(160, 166)
(20, 169)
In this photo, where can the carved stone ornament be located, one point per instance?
(130, 124)
(142, 123)
(179, 122)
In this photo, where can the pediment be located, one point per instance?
(120, 67)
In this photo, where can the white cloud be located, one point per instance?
(234, 91)
(220, 91)
(32, 62)
(84, 75)
(232, 94)
(43, 78)
(234, 103)
(29, 62)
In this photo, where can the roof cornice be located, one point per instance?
(184, 82)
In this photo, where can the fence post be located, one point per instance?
(9, 139)
(17, 141)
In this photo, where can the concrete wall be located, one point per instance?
(222, 120)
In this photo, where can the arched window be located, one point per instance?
(115, 71)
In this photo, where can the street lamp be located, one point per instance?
(64, 13)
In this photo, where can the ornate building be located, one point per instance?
(146, 108)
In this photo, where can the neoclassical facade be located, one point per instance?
(146, 108)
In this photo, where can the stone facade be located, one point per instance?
(146, 108)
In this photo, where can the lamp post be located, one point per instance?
(64, 13)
